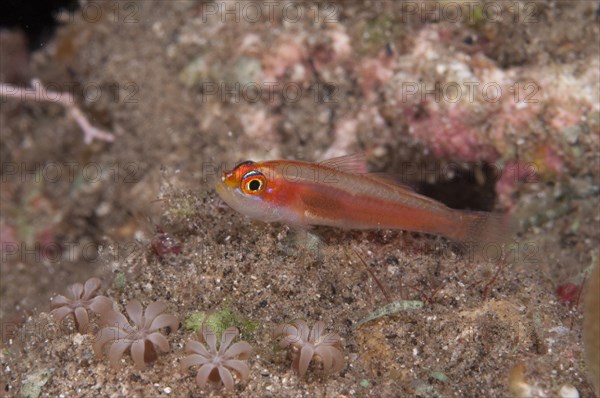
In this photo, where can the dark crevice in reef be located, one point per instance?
(471, 188)
(37, 19)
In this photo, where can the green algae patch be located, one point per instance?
(220, 320)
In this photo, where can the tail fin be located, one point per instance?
(482, 227)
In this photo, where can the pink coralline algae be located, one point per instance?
(513, 174)
(375, 72)
(449, 134)
(288, 55)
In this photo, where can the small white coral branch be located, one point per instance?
(39, 93)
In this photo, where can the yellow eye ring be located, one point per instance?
(253, 183)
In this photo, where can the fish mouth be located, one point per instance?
(229, 196)
(225, 191)
(221, 188)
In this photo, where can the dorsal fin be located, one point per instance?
(398, 186)
(353, 164)
(389, 179)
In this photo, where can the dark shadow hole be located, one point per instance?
(471, 188)
(37, 19)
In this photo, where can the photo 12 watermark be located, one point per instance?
(253, 12)
(55, 172)
(57, 92)
(268, 92)
(93, 12)
(471, 12)
(469, 91)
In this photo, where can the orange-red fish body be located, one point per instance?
(340, 193)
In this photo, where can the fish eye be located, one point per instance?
(253, 183)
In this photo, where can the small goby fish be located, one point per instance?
(341, 193)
